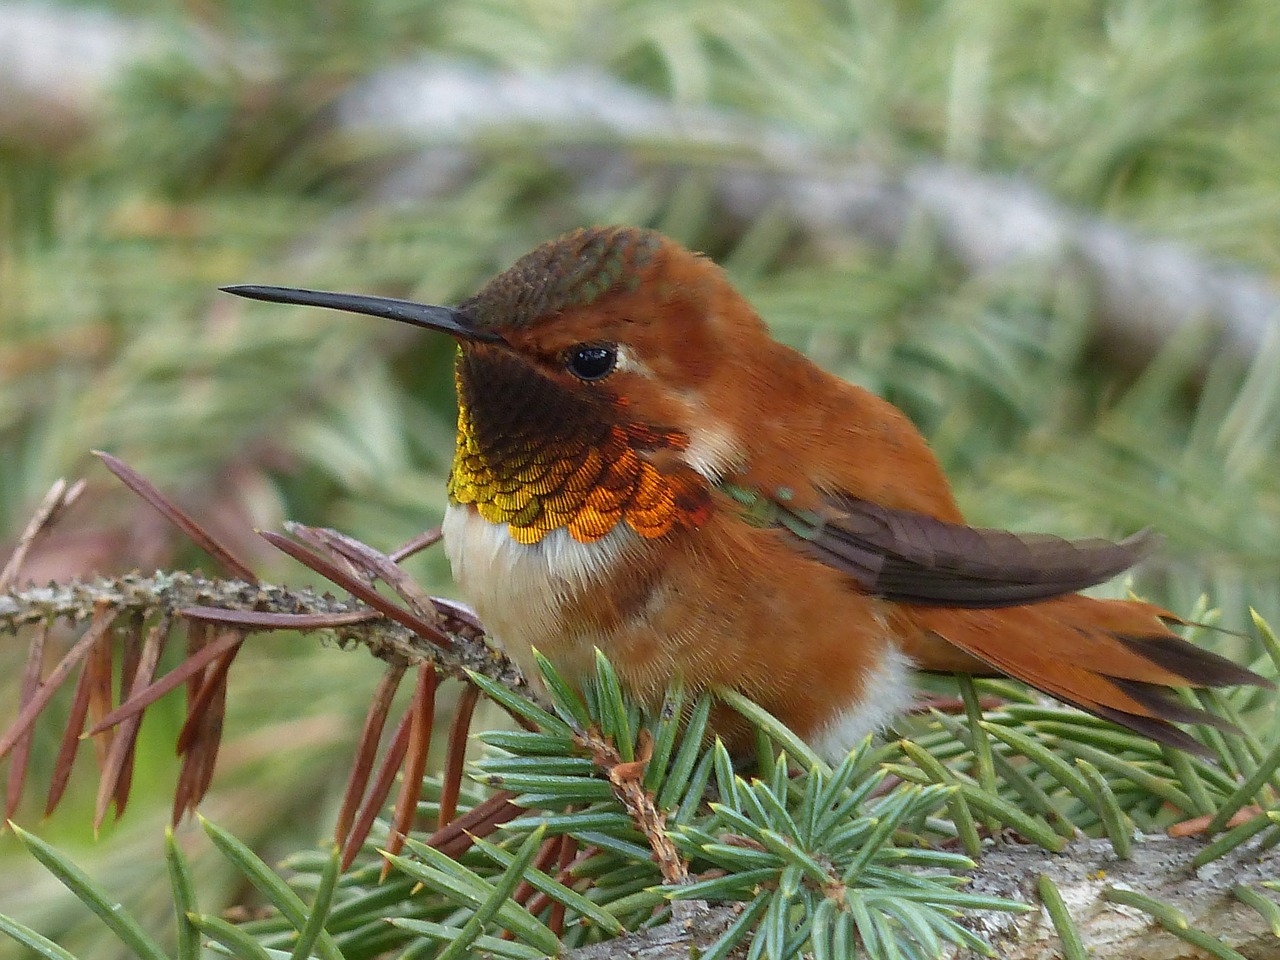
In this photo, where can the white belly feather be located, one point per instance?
(519, 589)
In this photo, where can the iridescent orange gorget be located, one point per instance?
(586, 474)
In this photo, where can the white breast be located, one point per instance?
(519, 589)
(887, 693)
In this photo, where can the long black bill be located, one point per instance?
(444, 319)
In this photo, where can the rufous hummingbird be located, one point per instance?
(640, 467)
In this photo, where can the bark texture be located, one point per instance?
(1160, 868)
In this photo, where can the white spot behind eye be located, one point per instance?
(713, 450)
(628, 360)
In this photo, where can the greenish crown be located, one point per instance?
(571, 271)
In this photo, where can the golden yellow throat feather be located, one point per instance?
(588, 491)
(541, 465)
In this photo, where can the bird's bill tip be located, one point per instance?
(444, 319)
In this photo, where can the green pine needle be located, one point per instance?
(37, 943)
(1072, 946)
(126, 928)
(238, 943)
(270, 885)
(184, 897)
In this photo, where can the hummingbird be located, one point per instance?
(641, 468)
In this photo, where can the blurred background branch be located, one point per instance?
(606, 134)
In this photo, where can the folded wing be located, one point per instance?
(913, 558)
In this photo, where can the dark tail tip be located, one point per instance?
(1200, 668)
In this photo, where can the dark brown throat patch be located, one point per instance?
(539, 456)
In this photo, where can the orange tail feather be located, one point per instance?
(1113, 658)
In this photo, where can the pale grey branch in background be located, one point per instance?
(57, 65)
(597, 128)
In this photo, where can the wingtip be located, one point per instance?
(1143, 543)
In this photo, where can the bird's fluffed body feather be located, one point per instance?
(711, 504)
(859, 566)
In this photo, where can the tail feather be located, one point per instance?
(1199, 668)
(1112, 658)
(1158, 701)
(1158, 730)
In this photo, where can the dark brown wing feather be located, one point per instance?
(1010, 601)
(913, 558)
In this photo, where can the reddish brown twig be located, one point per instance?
(201, 733)
(451, 779)
(363, 559)
(569, 855)
(208, 688)
(262, 620)
(70, 745)
(422, 718)
(886, 786)
(98, 667)
(378, 793)
(346, 562)
(951, 705)
(55, 503)
(428, 538)
(546, 853)
(480, 821)
(1198, 825)
(137, 668)
(627, 779)
(189, 668)
(361, 591)
(103, 618)
(460, 618)
(175, 515)
(22, 748)
(117, 770)
(367, 749)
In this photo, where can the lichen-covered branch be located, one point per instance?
(1160, 868)
(171, 593)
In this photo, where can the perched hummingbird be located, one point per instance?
(641, 468)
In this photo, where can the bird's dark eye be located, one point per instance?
(592, 361)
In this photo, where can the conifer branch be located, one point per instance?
(264, 606)
(1160, 867)
(1215, 891)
